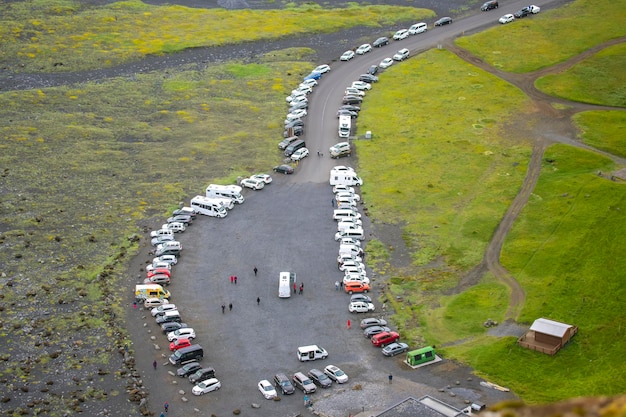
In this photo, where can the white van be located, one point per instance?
(208, 206)
(344, 178)
(353, 233)
(345, 127)
(418, 28)
(342, 214)
(349, 224)
(311, 353)
(225, 191)
(353, 250)
(284, 285)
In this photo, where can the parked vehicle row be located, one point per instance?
(306, 382)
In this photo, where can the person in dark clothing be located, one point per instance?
(223, 308)
(255, 271)
(230, 307)
(258, 301)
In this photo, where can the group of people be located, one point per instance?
(295, 288)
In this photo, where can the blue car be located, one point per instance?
(313, 76)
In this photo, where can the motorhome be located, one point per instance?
(284, 285)
(225, 191)
(345, 126)
(345, 178)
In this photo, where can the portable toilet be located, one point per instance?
(419, 356)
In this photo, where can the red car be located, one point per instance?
(179, 344)
(159, 271)
(384, 338)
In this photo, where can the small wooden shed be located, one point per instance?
(547, 336)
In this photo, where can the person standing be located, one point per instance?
(348, 324)
(258, 301)
(336, 285)
(390, 378)
(166, 406)
(232, 279)
(223, 308)
(235, 279)
(154, 365)
(294, 288)
(301, 288)
(341, 284)
(230, 307)
(255, 271)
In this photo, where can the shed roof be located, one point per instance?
(551, 327)
(426, 406)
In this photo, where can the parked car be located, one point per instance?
(336, 374)
(160, 232)
(320, 378)
(170, 259)
(401, 55)
(344, 112)
(352, 100)
(401, 34)
(360, 307)
(286, 142)
(361, 85)
(155, 302)
(350, 107)
(373, 69)
(360, 297)
(185, 210)
(313, 76)
(188, 369)
(303, 382)
(300, 105)
(181, 218)
(395, 349)
(266, 389)
(202, 374)
(363, 49)
(347, 56)
(386, 63)
(172, 326)
(323, 69)
(372, 321)
(356, 287)
(293, 131)
(380, 42)
(525, 11)
(253, 184)
(506, 18)
(175, 227)
(443, 21)
(368, 78)
(374, 330)
(351, 91)
(204, 387)
(297, 114)
(187, 332)
(159, 271)
(489, 5)
(162, 309)
(179, 344)
(418, 28)
(310, 82)
(263, 177)
(158, 265)
(162, 238)
(283, 169)
(384, 338)
(300, 154)
(160, 279)
(282, 381)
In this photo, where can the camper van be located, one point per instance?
(344, 178)
(208, 206)
(225, 191)
(345, 126)
(143, 292)
(284, 284)
(311, 353)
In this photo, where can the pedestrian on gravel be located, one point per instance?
(135, 305)
(348, 324)
(332, 202)
(162, 415)
(258, 301)
(223, 308)
(235, 279)
(154, 365)
(336, 285)
(255, 271)
(390, 378)
(230, 307)
(232, 279)
(301, 288)
(341, 284)
(294, 288)
(166, 406)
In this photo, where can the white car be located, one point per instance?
(336, 374)
(363, 49)
(322, 69)
(298, 97)
(162, 309)
(300, 154)
(170, 259)
(155, 302)
(310, 82)
(253, 183)
(263, 177)
(401, 55)
(401, 34)
(506, 18)
(343, 168)
(297, 114)
(162, 239)
(360, 307)
(347, 195)
(351, 91)
(352, 277)
(350, 241)
(184, 333)
(361, 85)
(386, 63)
(351, 263)
(158, 265)
(347, 56)
(347, 257)
(267, 389)
(340, 188)
(206, 386)
(175, 227)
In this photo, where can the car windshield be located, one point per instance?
(284, 383)
(339, 372)
(267, 387)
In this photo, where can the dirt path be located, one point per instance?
(548, 125)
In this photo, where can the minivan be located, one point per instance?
(311, 352)
(489, 5)
(186, 355)
(349, 224)
(304, 383)
(418, 28)
(342, 214)
(294, 146)
(286, 142)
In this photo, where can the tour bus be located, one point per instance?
(206, 206)
(284, 285)
(225, 191)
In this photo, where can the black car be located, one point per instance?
(170, 327)
(281, 381)
(188, 369)
(320, 378)
(294, 123)
(286, 142)
(380, 42)
(293, 131)
(489, 5)
(352, 99)
(443, 21)
(524, 12)
(372, 70)
(202, 374)
(283, 169)
(350, 107)
(344, 112)
(368, 78)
